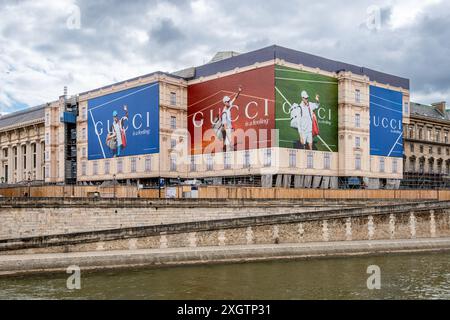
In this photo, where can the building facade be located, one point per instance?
(271, 117)
(22, 146)
(427, 148)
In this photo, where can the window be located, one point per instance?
(84, 113)
(83, 168)
(47, 119)
(447, 151)
(247, 159)
(292, 158)
(439, 167)
(173, 162)
(119, 166)
(429, 137)
(173, 143)
(193, 164)
(357, 120)
(47, 156)
(15, 158)
(358, 96)
(83, 152)
(227, 160)
(209, 162)
(394, 166)
(83, 134)
(34, 155)
(420, 133)
(133, 165)
(173, 99)
(267, 158)
(47, 138)
(446, 137)
(309, 160)
(148, 164)
(327, 161)
(438, 136)
(107, 167)
(411, 132)
(411, 147)
(357, 162)
(439, 150)
(173, 122)
(381, 164)
(412, 165)
(430, 150)
(358, 142)
(406, 107)
(421, 149)
(24, 153)
(95, 168)
(46, 172)
(421, 166)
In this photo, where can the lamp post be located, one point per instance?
(29, 184)
(114, 182)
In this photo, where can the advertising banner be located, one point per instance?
(124, 123)
(386, 117)
(306, 110)
(232, 113)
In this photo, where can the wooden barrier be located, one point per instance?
(218, 192)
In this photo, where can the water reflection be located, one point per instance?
(417, 276)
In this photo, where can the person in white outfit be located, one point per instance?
(227, 125)
(302, 119)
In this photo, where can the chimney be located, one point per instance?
(440, 106)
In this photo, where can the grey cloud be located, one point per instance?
(106, 48)
(166, 32)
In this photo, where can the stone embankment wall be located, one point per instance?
(39, 217)
(394, 222)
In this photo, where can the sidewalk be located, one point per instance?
(36, 263)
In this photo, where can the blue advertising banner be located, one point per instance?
(124, 123)
(386, 122)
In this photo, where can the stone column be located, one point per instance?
(19, 171)
(39, 160)
(10, 165)
(29, 165)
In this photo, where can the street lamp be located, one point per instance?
(29, 184)
(114, 182)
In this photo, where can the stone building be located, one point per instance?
(50, 143)
(427, 147)
(22, 146)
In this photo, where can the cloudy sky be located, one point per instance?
(84, 44)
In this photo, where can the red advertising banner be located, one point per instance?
(232, 113)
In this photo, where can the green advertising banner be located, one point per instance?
(306, 113)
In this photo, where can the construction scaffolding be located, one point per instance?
(424, 180)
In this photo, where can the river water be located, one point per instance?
(404, 276)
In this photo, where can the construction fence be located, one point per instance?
(218, 193)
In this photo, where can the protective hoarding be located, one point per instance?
(223, 118)
(386, 116)
(306, 110)
(124, 123)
